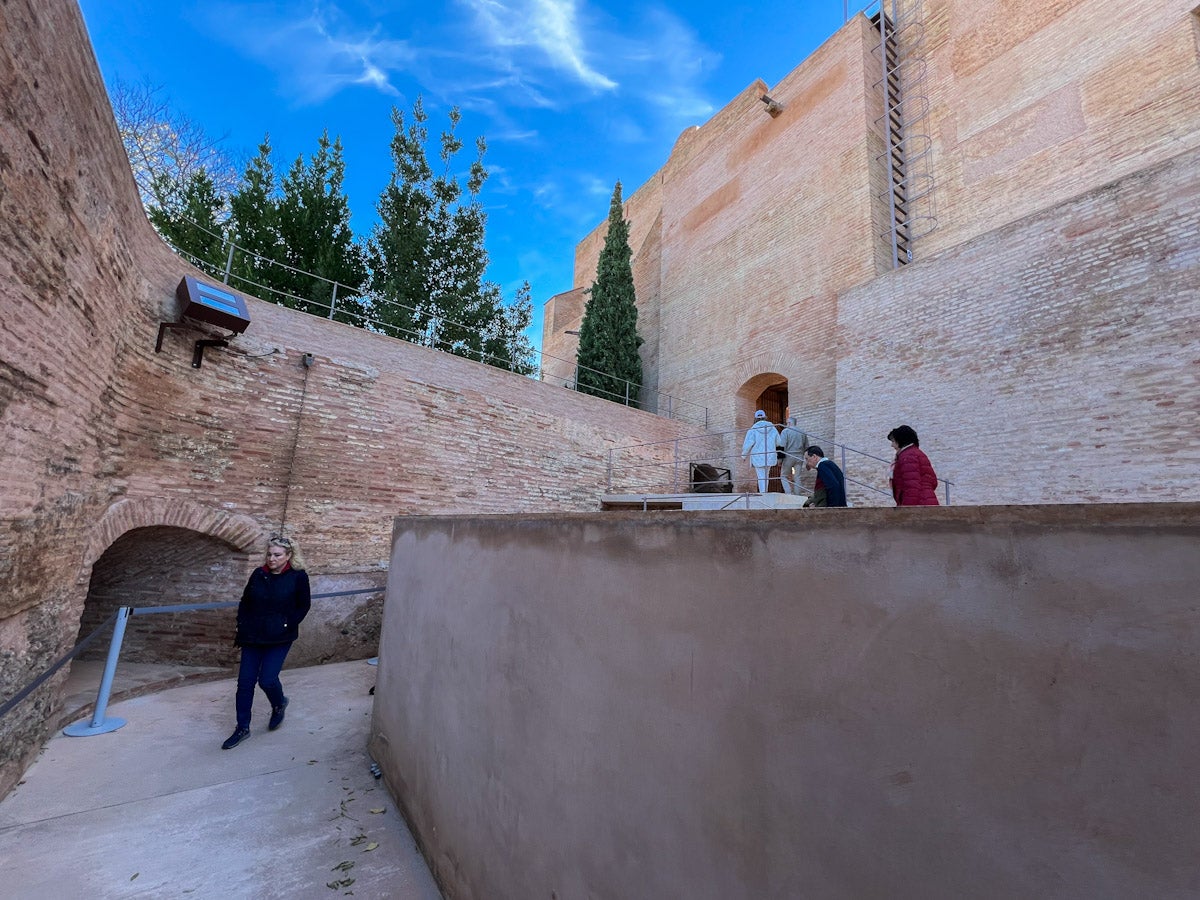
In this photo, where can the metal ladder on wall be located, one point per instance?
(906, 159)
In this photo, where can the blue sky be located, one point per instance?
(570, 95)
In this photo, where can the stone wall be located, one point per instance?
(953, 702)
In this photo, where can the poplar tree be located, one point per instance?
(295, 240)
(398, 251)
(317, 244)
(608, 361)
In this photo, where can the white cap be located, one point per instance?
(759, 414)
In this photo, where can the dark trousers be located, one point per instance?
(260, 664)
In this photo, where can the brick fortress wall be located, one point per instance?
(120, 460)
(1081, 380)
(1034, 110)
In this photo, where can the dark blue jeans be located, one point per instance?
(260, 664)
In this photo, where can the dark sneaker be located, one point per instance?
(239, 735)
(277, 715)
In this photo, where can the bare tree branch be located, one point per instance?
(160, 140)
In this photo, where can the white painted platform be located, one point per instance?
(702, 501)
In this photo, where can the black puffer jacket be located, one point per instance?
(272, 607)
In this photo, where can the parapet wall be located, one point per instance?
(949, 702)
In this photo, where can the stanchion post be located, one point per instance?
(99, 724)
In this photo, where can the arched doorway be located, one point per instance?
(767, 391)
(774, 402)
(162, 566)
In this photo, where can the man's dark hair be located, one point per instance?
(904, 435)
(814, 450)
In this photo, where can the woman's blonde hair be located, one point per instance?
(295, 557)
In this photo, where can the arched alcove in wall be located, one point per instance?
(164, 566)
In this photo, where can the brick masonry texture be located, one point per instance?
(1062, 141)
(1044, 341)
(131, 472)
(1081, 382)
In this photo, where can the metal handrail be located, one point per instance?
(98, 724)
(671, 483)
(666, 405)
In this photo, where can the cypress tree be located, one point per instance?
(608, 361)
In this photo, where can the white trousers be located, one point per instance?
(763, 474)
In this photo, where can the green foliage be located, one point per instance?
(296, 241)
(505, 343)
(609, 365)
(187, 215)
(315, 236)
(427, 254)
(421, 275)
(254, 224)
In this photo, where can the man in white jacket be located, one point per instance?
(762, 446)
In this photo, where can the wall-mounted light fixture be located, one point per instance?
(774, 107)
(203, 304)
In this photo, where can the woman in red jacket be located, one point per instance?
(914, 483)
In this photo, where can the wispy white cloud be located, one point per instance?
(508, 57)
(596, 187)
(551, 26)
(316, 54)
(670, 50)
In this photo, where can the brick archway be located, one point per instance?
(157, 551)
(239, 531)
(766, 391)
(751, 390)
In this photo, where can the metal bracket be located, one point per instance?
(198, 354)
(162, 329)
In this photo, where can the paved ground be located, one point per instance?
(158, 809)
(130, 680)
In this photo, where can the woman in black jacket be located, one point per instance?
(274, 603)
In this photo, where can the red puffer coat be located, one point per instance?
(914, 483)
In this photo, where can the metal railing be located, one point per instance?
(99, 724)
(663, 467)
(362, 309)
